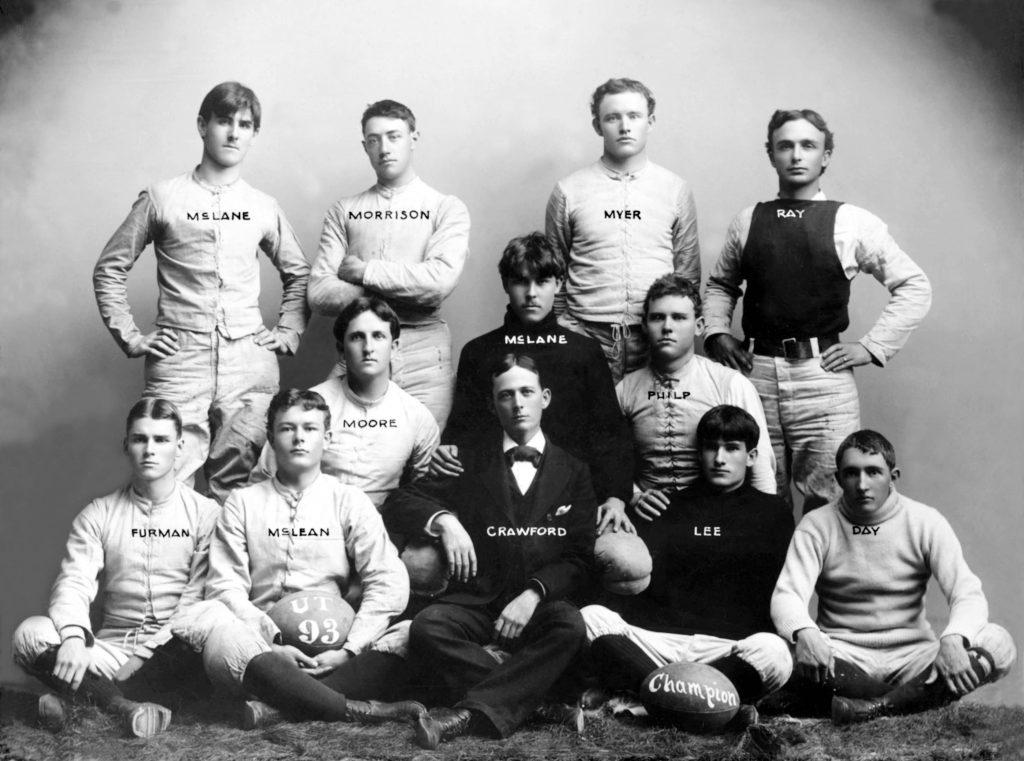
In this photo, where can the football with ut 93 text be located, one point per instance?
(313, 621)
(694, 696)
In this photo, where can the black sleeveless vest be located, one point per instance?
(796, 287)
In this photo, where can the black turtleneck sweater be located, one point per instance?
(716, 560)
(583, 417)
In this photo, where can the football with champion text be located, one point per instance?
(693, 696)
(313, 621)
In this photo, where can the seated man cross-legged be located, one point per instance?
(518, 524)
(149, 541)
(716, 553)
(869, 555)
(299, 531)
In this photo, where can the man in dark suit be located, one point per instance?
(517, 528)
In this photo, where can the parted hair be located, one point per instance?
(155, 408)
(515, 359)
(616, 85)
(532, 254)
(227, 98)
(728, 423)
(673, 284)
(868, 442)
(294, 397)
(374, 304)
(390, 109)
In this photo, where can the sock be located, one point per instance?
(745, 679)
(276, 680)
(100, 690)
(920, 695)
(620, 663)
(373, 675)
(851, 681)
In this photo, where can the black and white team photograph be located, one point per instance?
(511, 380)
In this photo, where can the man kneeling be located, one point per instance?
(868, 556)
(716, 553)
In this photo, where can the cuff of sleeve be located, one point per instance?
(74, 631)
(877, 355)
(428, 528)
(371, 275)
(958, 630)
(289, 337)
(538, 586)
(788, 629)
(131, 345)
(714, 330)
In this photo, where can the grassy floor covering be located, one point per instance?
(208, 731)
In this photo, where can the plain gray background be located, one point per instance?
(98, 99)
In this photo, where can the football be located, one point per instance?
(313, 621)
(623, 561)
(693, 696)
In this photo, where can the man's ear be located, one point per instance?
(751, 457)
(124, 445)
(895, 474)
(545, 398)
(596, 125)
(415, 135)
(699, 326)
(328, 435)
(181, 444)
(651, 121)
(201, 126)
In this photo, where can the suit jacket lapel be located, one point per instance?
(495, 477)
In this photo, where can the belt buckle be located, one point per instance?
(787, 351)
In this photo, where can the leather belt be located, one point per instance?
(792, 348)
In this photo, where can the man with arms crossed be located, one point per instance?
(717, 552)
(150, 541)
(519, 527)
(798, 255)
(620, 223)
(664, 401)
(868, 556)
(302, 530)
(402, 240)
(583, 416)
(210, 354)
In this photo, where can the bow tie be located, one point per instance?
(523, 453)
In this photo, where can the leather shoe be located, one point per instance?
(257, 714)
(593, 698)
(745, 717)
(375, 711)
(147, 719)
(852, 710)
(52, 711)
(440, 724)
